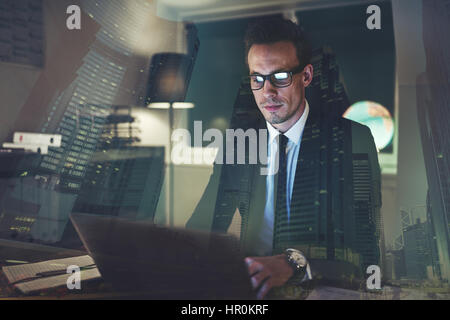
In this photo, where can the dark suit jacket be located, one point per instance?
(324, 210)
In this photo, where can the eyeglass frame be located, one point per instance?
(296, 70)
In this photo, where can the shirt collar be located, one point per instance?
(295, 132)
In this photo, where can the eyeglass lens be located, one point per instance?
(279, 79)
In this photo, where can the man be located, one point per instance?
(278, 57)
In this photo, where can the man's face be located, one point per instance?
(281, 107)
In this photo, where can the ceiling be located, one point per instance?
(198, 11)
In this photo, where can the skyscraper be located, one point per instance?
(335, 214)
(431, 234)
(433, 100)
(395, 264)
(349, 227)
(122, 178)
(327, 80)
(86, 74)
(366, 215)
(417, 250)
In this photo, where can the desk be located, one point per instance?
(99, 289)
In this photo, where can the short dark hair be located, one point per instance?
(274, 29)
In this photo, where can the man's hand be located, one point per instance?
(268, 272)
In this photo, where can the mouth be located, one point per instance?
(273, 107)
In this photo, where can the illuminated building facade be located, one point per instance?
(89, 72)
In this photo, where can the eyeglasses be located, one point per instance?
(278, 79)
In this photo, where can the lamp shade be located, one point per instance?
(169, 77)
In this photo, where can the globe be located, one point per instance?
(376, 117)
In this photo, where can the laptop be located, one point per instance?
(163, 262)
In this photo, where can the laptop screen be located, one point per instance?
(36, 200)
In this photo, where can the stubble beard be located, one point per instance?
(275, 118)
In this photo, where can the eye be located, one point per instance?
(281, 76)
(258, 79)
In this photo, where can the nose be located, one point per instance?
(268, 89)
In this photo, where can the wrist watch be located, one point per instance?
(299, 263)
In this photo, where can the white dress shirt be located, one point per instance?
(294, 134)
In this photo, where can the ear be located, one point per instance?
(308, 75)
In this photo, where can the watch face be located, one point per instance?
(298, 258)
